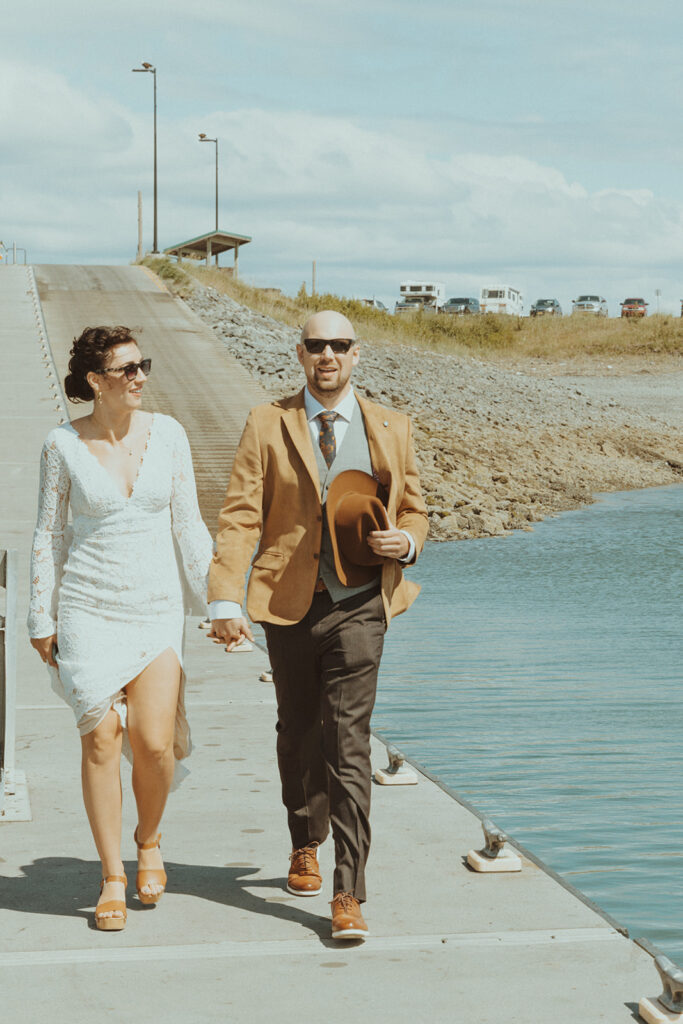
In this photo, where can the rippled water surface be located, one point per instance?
(539, 675)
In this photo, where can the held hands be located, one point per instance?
(230, 632)
(389, 543)
(46, 647)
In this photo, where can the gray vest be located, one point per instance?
(353, 454)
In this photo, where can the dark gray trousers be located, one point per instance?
(325, 674)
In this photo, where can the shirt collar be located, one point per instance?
(344, 409)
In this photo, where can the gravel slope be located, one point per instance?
(499, 448)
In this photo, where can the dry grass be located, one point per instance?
(506, 336)
(582, 335)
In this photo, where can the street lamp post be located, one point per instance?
(203, 138)
(153, 70)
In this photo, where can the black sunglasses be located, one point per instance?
(130, 370)
(314, 346)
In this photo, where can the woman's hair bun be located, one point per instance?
(89, 355)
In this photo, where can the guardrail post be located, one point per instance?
(8, 676)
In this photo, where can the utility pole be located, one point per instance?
(153, 71)
(139, 256)
(203, 137)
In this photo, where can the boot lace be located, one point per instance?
(344, 901)
(304, 860)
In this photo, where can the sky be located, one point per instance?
(536, 143)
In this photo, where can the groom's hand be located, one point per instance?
(230, 632)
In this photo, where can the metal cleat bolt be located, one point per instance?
(495, 838)
(396, 773)
(672, 980)
(666, 1008)
(493, 858)
(396, 759)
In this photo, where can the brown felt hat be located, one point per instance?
(355, 507)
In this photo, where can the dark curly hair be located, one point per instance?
(89, 354)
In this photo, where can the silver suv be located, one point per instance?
(546, 307)
(590, 304)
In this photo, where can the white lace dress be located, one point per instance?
(110, 584)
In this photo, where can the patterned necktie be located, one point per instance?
(326, 438)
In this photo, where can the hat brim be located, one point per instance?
(355, 506)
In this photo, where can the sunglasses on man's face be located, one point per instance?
(315, 346)
(130, 370)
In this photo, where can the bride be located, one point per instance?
(106, 607)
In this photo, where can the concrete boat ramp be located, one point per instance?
(227, 943)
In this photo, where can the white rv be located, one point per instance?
(501, 298)
(415, 295)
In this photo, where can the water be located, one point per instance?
(539, 676)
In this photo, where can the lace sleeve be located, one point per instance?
(192, 536)
(49, 542)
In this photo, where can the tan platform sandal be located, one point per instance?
(149, 876)
(111, 924)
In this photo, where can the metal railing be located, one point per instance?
(8, 673)
(14, 250)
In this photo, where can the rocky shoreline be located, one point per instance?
(499, 448)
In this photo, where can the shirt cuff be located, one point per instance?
(411, 550)
(225, 610)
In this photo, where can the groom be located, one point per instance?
(323, 617)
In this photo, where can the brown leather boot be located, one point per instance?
(347, 920)
(304, 877)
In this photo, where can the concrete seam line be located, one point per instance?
(228, 950)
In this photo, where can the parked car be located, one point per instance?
(375, 304)
(407, 306)
(590, 304)
(634, 307)
(546, 307)
(461, 306)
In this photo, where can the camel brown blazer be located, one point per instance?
(273, 501)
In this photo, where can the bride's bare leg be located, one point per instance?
(152, 702)
(101, 777)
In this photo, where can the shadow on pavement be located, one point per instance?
(67, 887)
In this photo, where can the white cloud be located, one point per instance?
(41, 113)
(371, 203)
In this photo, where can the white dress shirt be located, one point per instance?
(344, 411)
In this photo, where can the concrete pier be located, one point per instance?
(227, 943)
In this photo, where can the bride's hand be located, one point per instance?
(46, 647)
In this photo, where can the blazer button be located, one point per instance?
(320, 519)
(316, 554)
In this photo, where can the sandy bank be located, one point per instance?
(499, 446)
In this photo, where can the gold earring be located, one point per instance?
(98, 395)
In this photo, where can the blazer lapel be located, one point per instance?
(296, 425)
(378, 437)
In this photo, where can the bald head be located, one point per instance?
(331, 358)
(327, 324)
